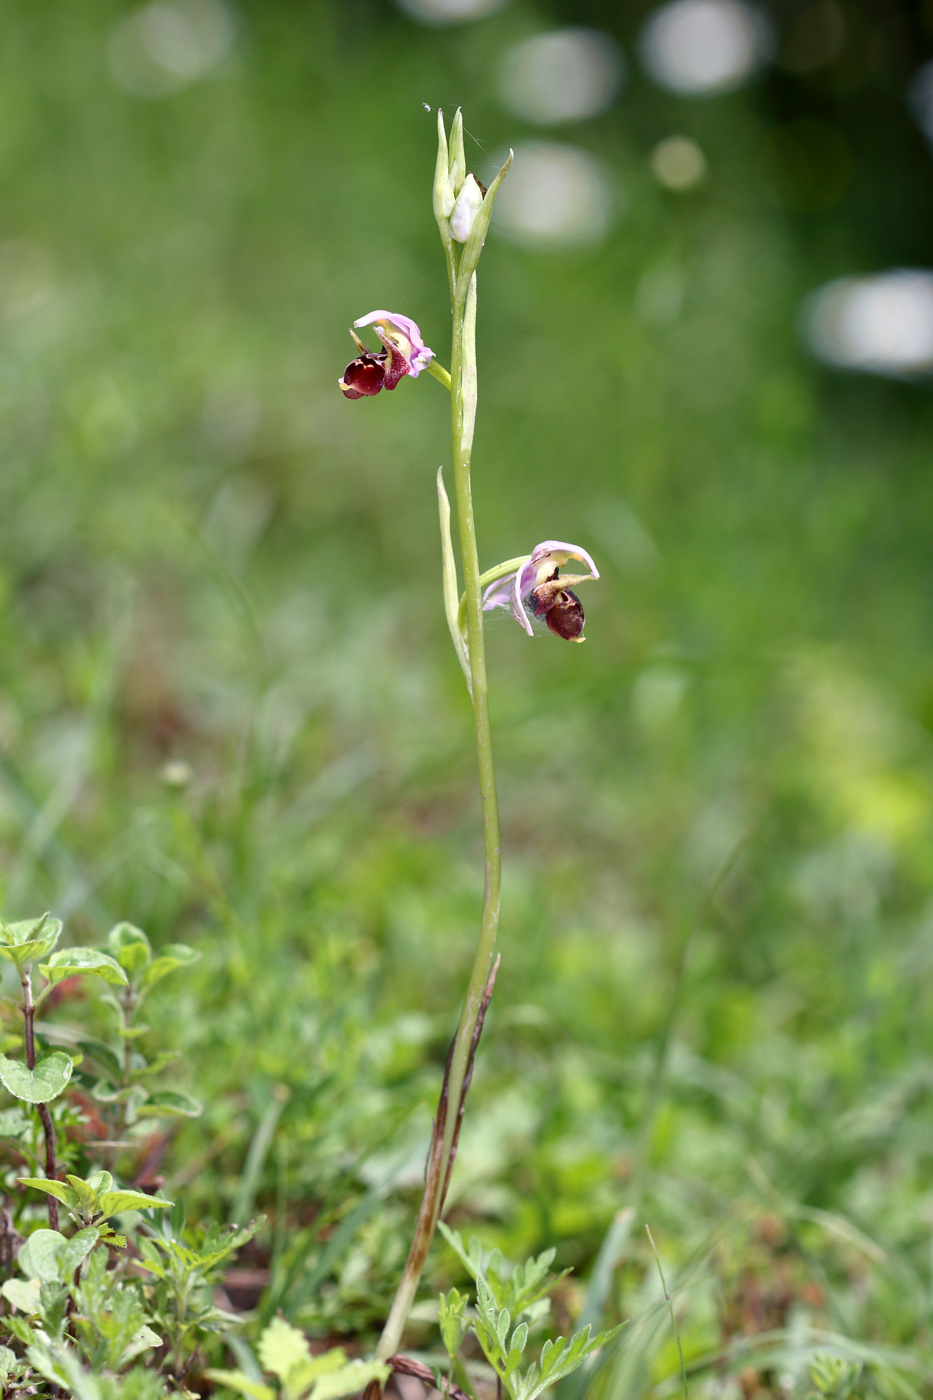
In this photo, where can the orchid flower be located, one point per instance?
(403, 352)
(535, 586)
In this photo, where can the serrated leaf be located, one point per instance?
(170, 1103)
(115, 1202)
(39, 1085)
(130, 946)
(80, 962)
(236, 1380)
(23, 1294)
(282, 1347)
(8, 1363)
(58, 1189)
(172, 956)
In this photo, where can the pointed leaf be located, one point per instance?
(115, 1202)
(130, 946)
(58, 1189)
(29, 939)
(102, 1053)
(503, 1323)
(39, 1085)
(172, 956)
(100, 1181)
(170, 1103)
(78, 962)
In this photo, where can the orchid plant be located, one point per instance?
(531, 586)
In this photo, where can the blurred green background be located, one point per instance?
(230, 712)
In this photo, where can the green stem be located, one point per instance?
(463, 413)
(439, 373)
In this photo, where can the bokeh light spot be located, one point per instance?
(881, 324)
(920, 97)
(555, 196)
(437, 12)
(561, 77)
(703, 47)
(678, 162)
(167, 45)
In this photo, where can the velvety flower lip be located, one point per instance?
(403, 352)
(401, 337)
(537, 586)
(364, 376)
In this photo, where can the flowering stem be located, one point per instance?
(443, 1145)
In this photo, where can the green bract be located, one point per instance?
(22, 943)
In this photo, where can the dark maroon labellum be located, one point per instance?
(364, 376)
(560, 607)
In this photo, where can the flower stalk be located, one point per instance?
(471, 651)
(531, 583)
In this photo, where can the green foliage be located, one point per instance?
(24, 942)
(508, 1303)
(183, 1266)
(41, 1084)
(95, 1198)
(833, 1377)
(284, 1354)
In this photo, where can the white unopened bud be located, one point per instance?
(466, 207)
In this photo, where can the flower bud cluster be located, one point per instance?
(458, 195)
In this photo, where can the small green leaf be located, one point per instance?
(39, 1085)
(172, 956)
(40, 1256)
(100, 1181)
(78, 962)
(85, 1195)
(48, 1256)
(349, 1380)
(23, 1294)
(130, 946)
(236, 1380)
(115, 1202)
(105, 1057)
(29, 939)
(13, 1123)
(170, 1103)
(8, 1363)
(282, 1347)
(58, 1189)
